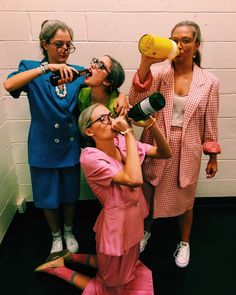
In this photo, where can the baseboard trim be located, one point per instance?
(94, 205)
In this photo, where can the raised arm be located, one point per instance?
(145, 65)
(131, 175)
(21, 79)
(162, 149)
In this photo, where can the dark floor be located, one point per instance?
(212, 269)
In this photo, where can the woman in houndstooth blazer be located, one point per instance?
(189, 121)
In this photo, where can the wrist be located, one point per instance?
(39, 69)
(43, 68)
(126, 131)
(213, 157)
(151, 124)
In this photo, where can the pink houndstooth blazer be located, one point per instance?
(200, 126)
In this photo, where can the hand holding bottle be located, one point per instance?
(120, 124)
(66, 72)
(148, 123)
(148, 60)
(154, 49)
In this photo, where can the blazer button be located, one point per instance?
(56, 125)
(71, 138)
(137, 204)
(56, 140)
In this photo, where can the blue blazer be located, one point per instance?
(53, 140)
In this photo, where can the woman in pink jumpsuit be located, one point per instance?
(113, 171)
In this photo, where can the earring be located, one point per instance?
(194, 55)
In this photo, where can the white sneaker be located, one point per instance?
(71, 243)
(182, 254)
(144, 241)
(57, 245)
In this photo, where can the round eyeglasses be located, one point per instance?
(60, 46)
(104, 119)
(185, 41)
(99, 64)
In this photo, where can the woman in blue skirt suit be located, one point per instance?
(53, 142)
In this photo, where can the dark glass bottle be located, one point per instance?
(56, 80)
(146, 107)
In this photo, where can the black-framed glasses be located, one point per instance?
(99, 64)
(60, 47)
(185, 41)
(104, 119)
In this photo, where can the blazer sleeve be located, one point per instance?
(22, 67)
(139, 90)
(210, 144)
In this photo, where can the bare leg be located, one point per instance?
(52, 217)
(87, 259)
(80, 281)
(185, 224)
(69, 213)
(68, 275)
(148, 191)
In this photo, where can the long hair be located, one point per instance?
(116, 76)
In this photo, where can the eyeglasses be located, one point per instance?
(60, 47)
(104, 119)
(99, 64)
(185, 41)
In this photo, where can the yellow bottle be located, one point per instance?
(158, 47)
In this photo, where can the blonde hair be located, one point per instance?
(84, 122)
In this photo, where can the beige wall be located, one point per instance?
(113, 27)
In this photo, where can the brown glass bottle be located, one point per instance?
(56, 80)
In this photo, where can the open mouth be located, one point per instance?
(89, 73)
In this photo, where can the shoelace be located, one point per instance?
(180, 249)
(57, 240)
(70, 238)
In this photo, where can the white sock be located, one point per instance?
(56, 235)
(67, 229)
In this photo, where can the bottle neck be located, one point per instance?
(81, 72)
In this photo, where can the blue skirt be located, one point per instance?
(54, 186)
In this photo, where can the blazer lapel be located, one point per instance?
(167, 89)
(193, 97)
